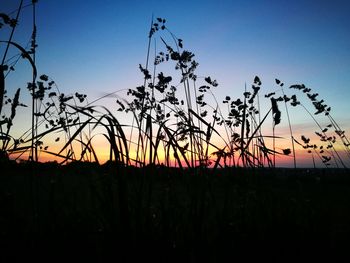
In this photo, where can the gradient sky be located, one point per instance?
(94, 47)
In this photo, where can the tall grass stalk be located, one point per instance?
(290, 128)
(34, 154)
(2, 66)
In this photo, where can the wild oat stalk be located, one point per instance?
(286, 99)
(321, 108)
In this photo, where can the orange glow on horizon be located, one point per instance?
(102, 150)
(303, 158)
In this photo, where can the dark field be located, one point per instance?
(84, 211)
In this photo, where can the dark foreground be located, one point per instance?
(105, 213)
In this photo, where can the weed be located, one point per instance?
(173, 122)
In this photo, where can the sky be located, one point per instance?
(95, 47)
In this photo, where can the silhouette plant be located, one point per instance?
(156, 101)
(171, 115)
(190, 140)
(323, 133)
(8, 121)
(48, 107)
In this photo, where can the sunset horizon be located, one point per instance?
(102, 63)
(175, 131)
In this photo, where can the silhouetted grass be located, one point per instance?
(178, 122)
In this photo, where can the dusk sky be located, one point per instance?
(95, 47)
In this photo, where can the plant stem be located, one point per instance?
(290, 130)
(34, 152)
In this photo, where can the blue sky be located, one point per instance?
(94, 47)
(302, 41)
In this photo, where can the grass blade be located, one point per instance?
(72, 138)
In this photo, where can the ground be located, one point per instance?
(88, 211)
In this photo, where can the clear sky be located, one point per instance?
(94, 47)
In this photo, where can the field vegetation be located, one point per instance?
(192, 178)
